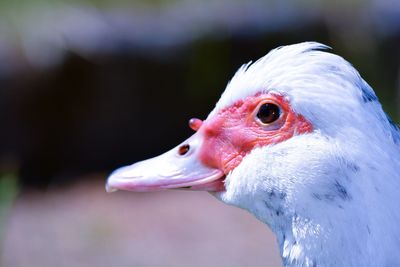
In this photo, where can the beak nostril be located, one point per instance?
(183, 149)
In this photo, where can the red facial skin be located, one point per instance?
(195, 124)
(234, 131)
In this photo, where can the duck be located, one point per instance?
(300, 140)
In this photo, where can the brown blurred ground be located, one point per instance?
(84, 226)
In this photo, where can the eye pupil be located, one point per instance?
(268, 113)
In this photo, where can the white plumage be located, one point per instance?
(331, 196)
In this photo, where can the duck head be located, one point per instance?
(300, 140)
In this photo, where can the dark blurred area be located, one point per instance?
(89, 86)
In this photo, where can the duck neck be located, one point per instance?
(304, 241)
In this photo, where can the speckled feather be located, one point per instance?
(330, 196)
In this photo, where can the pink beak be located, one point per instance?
(177, 168)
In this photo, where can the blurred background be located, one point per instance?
(87, 86)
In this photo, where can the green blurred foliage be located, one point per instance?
(8, 192)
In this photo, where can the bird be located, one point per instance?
(300, 140)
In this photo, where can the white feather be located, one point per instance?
(332, 196)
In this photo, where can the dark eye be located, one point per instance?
(268, 113)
